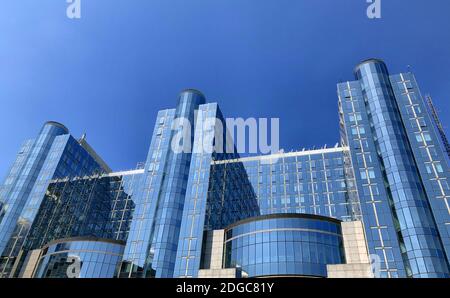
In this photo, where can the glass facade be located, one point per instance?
(396, 157)
(138, 255)
(284, 245)
(389, 171)
(97, 206)
(429, 154)
(53, 154)
(80, 258)
(213, 202)
(152, 246)
(317, 182)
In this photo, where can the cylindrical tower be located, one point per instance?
(277, 245)
(172, 196)
(22, 178)
(421, 247)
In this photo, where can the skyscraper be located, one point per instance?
(401, 171)
(53, 154)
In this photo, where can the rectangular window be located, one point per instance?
(363, 174)
(419, 138)
(355, 117)
(347, 93)
(428, 167)
(422, 122)
(427, 136)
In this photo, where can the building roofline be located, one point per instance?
(374, 60)
(282, 155)
(84, 238)
(283, 215)
(57, 124)
(83, 143)
(126, 173)
(192, 90)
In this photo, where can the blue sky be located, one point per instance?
(109, 73)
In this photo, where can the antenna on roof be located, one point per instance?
(337, 145)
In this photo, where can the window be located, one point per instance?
(355, 117)
(347, 93)
(408, 85)
(422, 122)
(363, 174)
(428, 167)
(427, 136)
(369, 173)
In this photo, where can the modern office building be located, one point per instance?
(53, 154)
(401, 170)
(375, 205)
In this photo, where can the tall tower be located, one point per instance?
(173, 189)
(53, 154)
(18, 187)
(399, 210)
(152, 245)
